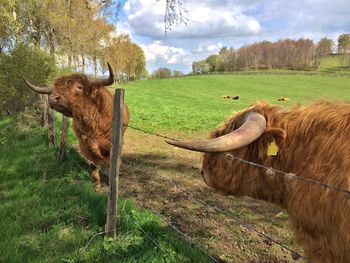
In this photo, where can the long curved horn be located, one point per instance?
(43, 90)
(252, 128)
(104, 82)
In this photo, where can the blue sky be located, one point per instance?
(213, 24)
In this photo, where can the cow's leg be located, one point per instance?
(95, 175)
(93, 147)
(93, 162)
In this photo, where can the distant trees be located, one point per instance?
(78, 32)
(344, 43)
(344, 50)
(323, 48)
(282, 54)
(201, 67)
(163, 72)
(177, 73)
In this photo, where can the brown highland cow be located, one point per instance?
(313, 142)
(90, 104)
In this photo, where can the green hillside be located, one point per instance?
(195, 103)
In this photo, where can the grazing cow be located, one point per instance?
(283, 99)
(90, 104)
(312, 142)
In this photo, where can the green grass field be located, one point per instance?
(49, 210)
(195, 103)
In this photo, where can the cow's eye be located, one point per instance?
(79, 87)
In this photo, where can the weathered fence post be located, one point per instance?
(48, 120)
(115, 160)
(44, 100)
(64, 134)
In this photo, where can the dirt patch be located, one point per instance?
(227, 227)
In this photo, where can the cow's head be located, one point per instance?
(247, 135)
(74, 92)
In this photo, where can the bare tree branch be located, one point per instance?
(175, 13)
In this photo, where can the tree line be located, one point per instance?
(78, 32)
(282, 54)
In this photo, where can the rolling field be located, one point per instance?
(50, 212)
(193, 104)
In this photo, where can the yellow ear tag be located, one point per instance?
(272, 150)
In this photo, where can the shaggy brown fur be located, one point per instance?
(91, 109)
(313, 143)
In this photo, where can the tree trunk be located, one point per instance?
(83, 64)
(64, 134)
(95, 65)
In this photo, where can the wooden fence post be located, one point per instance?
(48, 120)
(64, 134)
(51, 127)
(115, 160)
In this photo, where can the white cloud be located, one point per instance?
(206, 19)
(213, 24)
(157, 54)
(208, 48)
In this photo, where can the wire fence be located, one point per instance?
(295, 254)
(337, 74)
(289, 176)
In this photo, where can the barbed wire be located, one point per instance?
(287, 175)
(290, 175)
(150, 133)
(173, 227)
(148, 235)
(188, 239)
(295, 254)
(145, 232)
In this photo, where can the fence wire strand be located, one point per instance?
(288, 175)
(179, 232)
(295, 254)
(174, 228)
(149, 236)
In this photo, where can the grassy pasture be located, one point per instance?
(49, 211)
(193, 104)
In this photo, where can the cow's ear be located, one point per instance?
(274, 135)
(270, 142)
(93, 91)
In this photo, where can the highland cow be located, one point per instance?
(313, 142)
(90, 104)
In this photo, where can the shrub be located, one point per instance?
(36, 65)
